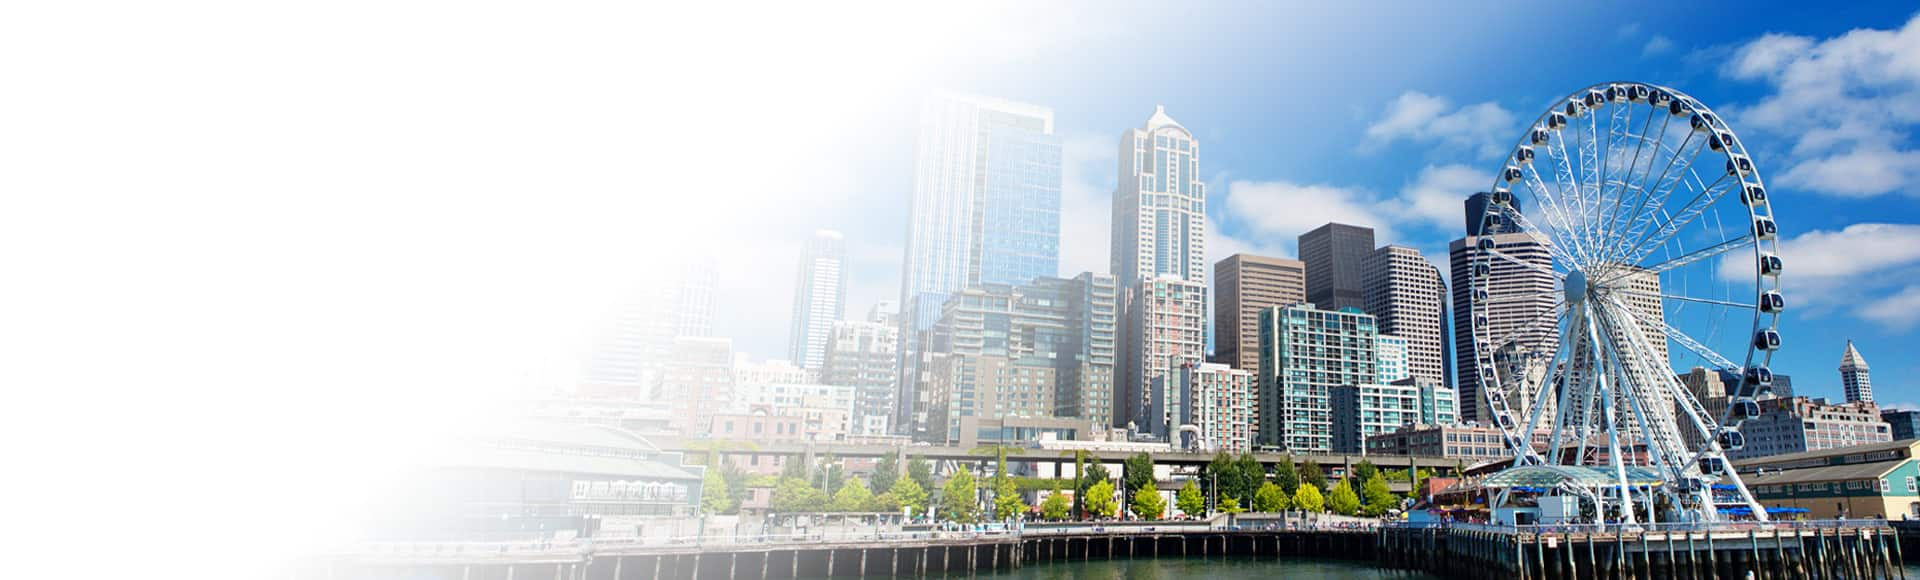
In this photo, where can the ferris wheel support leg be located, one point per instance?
(1618, 463)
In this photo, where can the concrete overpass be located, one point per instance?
(938, 453)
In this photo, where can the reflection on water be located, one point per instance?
(1198, 568)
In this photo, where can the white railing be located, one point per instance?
(1617, 528)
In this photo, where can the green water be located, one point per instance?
(1197, 568)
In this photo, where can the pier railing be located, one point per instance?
(1658, 527)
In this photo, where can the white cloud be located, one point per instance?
(1848, 104)
(1899, 311)
(1435, 195)
(1285, 209)
(1867, 264)
(1422, 118)
(1628, 30)
(1656, 45)
(1857, 173)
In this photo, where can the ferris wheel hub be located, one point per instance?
(1577, 287)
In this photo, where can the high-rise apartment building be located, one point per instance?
(1304, 353)
(1336, 258)
(1518, 309)
(1159, 261)
(985, 210)
(1218, 400)
(1244, 285)
(629, 358)
(1438, 404)
(1405, 293)
(1853, 376)
(1392, 353)
(819, 298)
(1041, 349)
(864, 355)
(1364, 410)
(697, 382)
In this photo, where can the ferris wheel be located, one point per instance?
(1629, 220)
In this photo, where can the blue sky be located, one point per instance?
(1385, 114)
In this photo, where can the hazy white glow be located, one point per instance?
(259, 257)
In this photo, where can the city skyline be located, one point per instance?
(1416, 204)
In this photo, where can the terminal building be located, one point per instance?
(1867, 481)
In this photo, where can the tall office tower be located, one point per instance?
(1853, 376)
(1336, 255)
(1404, 291)
(1160, 205)
(629, 356)
(1391, 352)
(1364, 410)
(1476, 212)
(1159, 260)
(697, 382)
(1645, 303)
(1304, 353)
(985, 210)
(1218, 400)
(1032, 350)
(1507, 314)
(864, 354)
(1166, 327)
(819, 298)
(1244, 285)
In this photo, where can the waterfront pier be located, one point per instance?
(1838, 550)
(1841, 550)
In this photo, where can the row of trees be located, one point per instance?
(1235, 484)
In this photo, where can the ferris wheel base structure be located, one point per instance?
(1662, 245)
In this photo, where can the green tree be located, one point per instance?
(1056, 507)
(1135, 473)
(1190, 501)
(1230, 504)
(1379, 498)
(957, 499)
(852, 497)
(885, 472)
(1311, 474)
(1308, 499)
(1100, 501)
(1362, 472)
(714, 495)
(795, 495)
(835, 476)
(1271, 498)
(1147, 503)
(1344, 501)
(910, 495)
(1247, 476)
(1007, 503)
(884, 503)
(921, 472)
(795, 468)
(1219, 474)
(1285, 475)
(736, 486)
(1093, 474)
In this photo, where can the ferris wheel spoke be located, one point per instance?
(1693, 209)
(1638, 225)
(1524, 264)
(1641, 185)
(1562, 232)
(1626, 187)
(1664, 296)
(1554, 249)
(1697, 348)
(1693, 257)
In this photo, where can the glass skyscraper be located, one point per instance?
(985, 210)
(1159, 260)
(986, 200)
